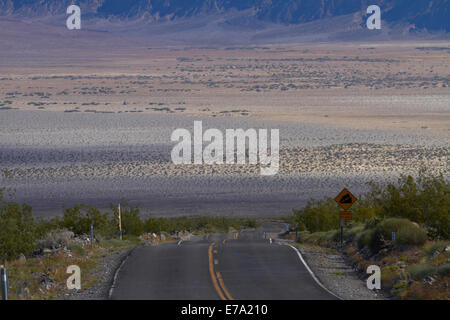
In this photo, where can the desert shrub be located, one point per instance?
(116, 243)
(303, 236)
(316, 237)
(18, 230)
(419, 271)
(351, 233)
(322, 215)
(372, 223)
(444, 269)
(113, 243)
(420, 291)
(78, 249)
(364, 238)
(411, 235)
(438, 246)
(407, 233)
(333, 235)
(389, 276)
(206, 224)
(250, 223)
(56, 238)
(132, 224)
(44, 227)
(425, 200)
(79, 219)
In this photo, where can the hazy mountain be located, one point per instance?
(429, 15)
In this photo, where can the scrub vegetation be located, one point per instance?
(21, 232)
(415, 264)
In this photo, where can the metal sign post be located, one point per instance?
(4, 283)
(345, 199)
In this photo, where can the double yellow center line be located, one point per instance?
(216, 278)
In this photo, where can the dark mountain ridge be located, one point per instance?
(427, 15)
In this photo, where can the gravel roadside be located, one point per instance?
(105, 273)
(337, 275)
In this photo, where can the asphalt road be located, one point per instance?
(228, 267)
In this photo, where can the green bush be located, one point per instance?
(438, 246)
(411, 235)
(116, 243)
(303, 236)
(79, 219)
(333, 235)
(444, 269)
(351, 233)
(18, 231)
(132, 224)
(372, 223)
(420, 271)
(76, 248)
(407, 233)
(205, 224)
(425, 200)
(364, 238)
(322, 215)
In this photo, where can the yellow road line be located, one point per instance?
(213, 276)
(222, 284)
(216, 261)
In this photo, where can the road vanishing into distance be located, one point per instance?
(248, 265)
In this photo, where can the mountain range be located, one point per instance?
(431, 15)
(219, 22)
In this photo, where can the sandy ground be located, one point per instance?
(65, 158)
(96, 128)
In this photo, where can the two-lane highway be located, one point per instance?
(226, 267)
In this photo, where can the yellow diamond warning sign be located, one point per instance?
(345, 199)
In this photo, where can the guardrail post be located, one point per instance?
(4, 283)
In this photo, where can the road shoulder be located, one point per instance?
(104, 274)
(336, 274)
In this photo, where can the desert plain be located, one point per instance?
(94, 127)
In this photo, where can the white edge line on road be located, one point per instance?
(111, 290)
(312, 273)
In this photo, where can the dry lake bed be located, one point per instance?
(97, 129)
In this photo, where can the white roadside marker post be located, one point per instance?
(120, 224)
(92, 236)
(4, 282)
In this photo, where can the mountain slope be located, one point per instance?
(421, 14)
